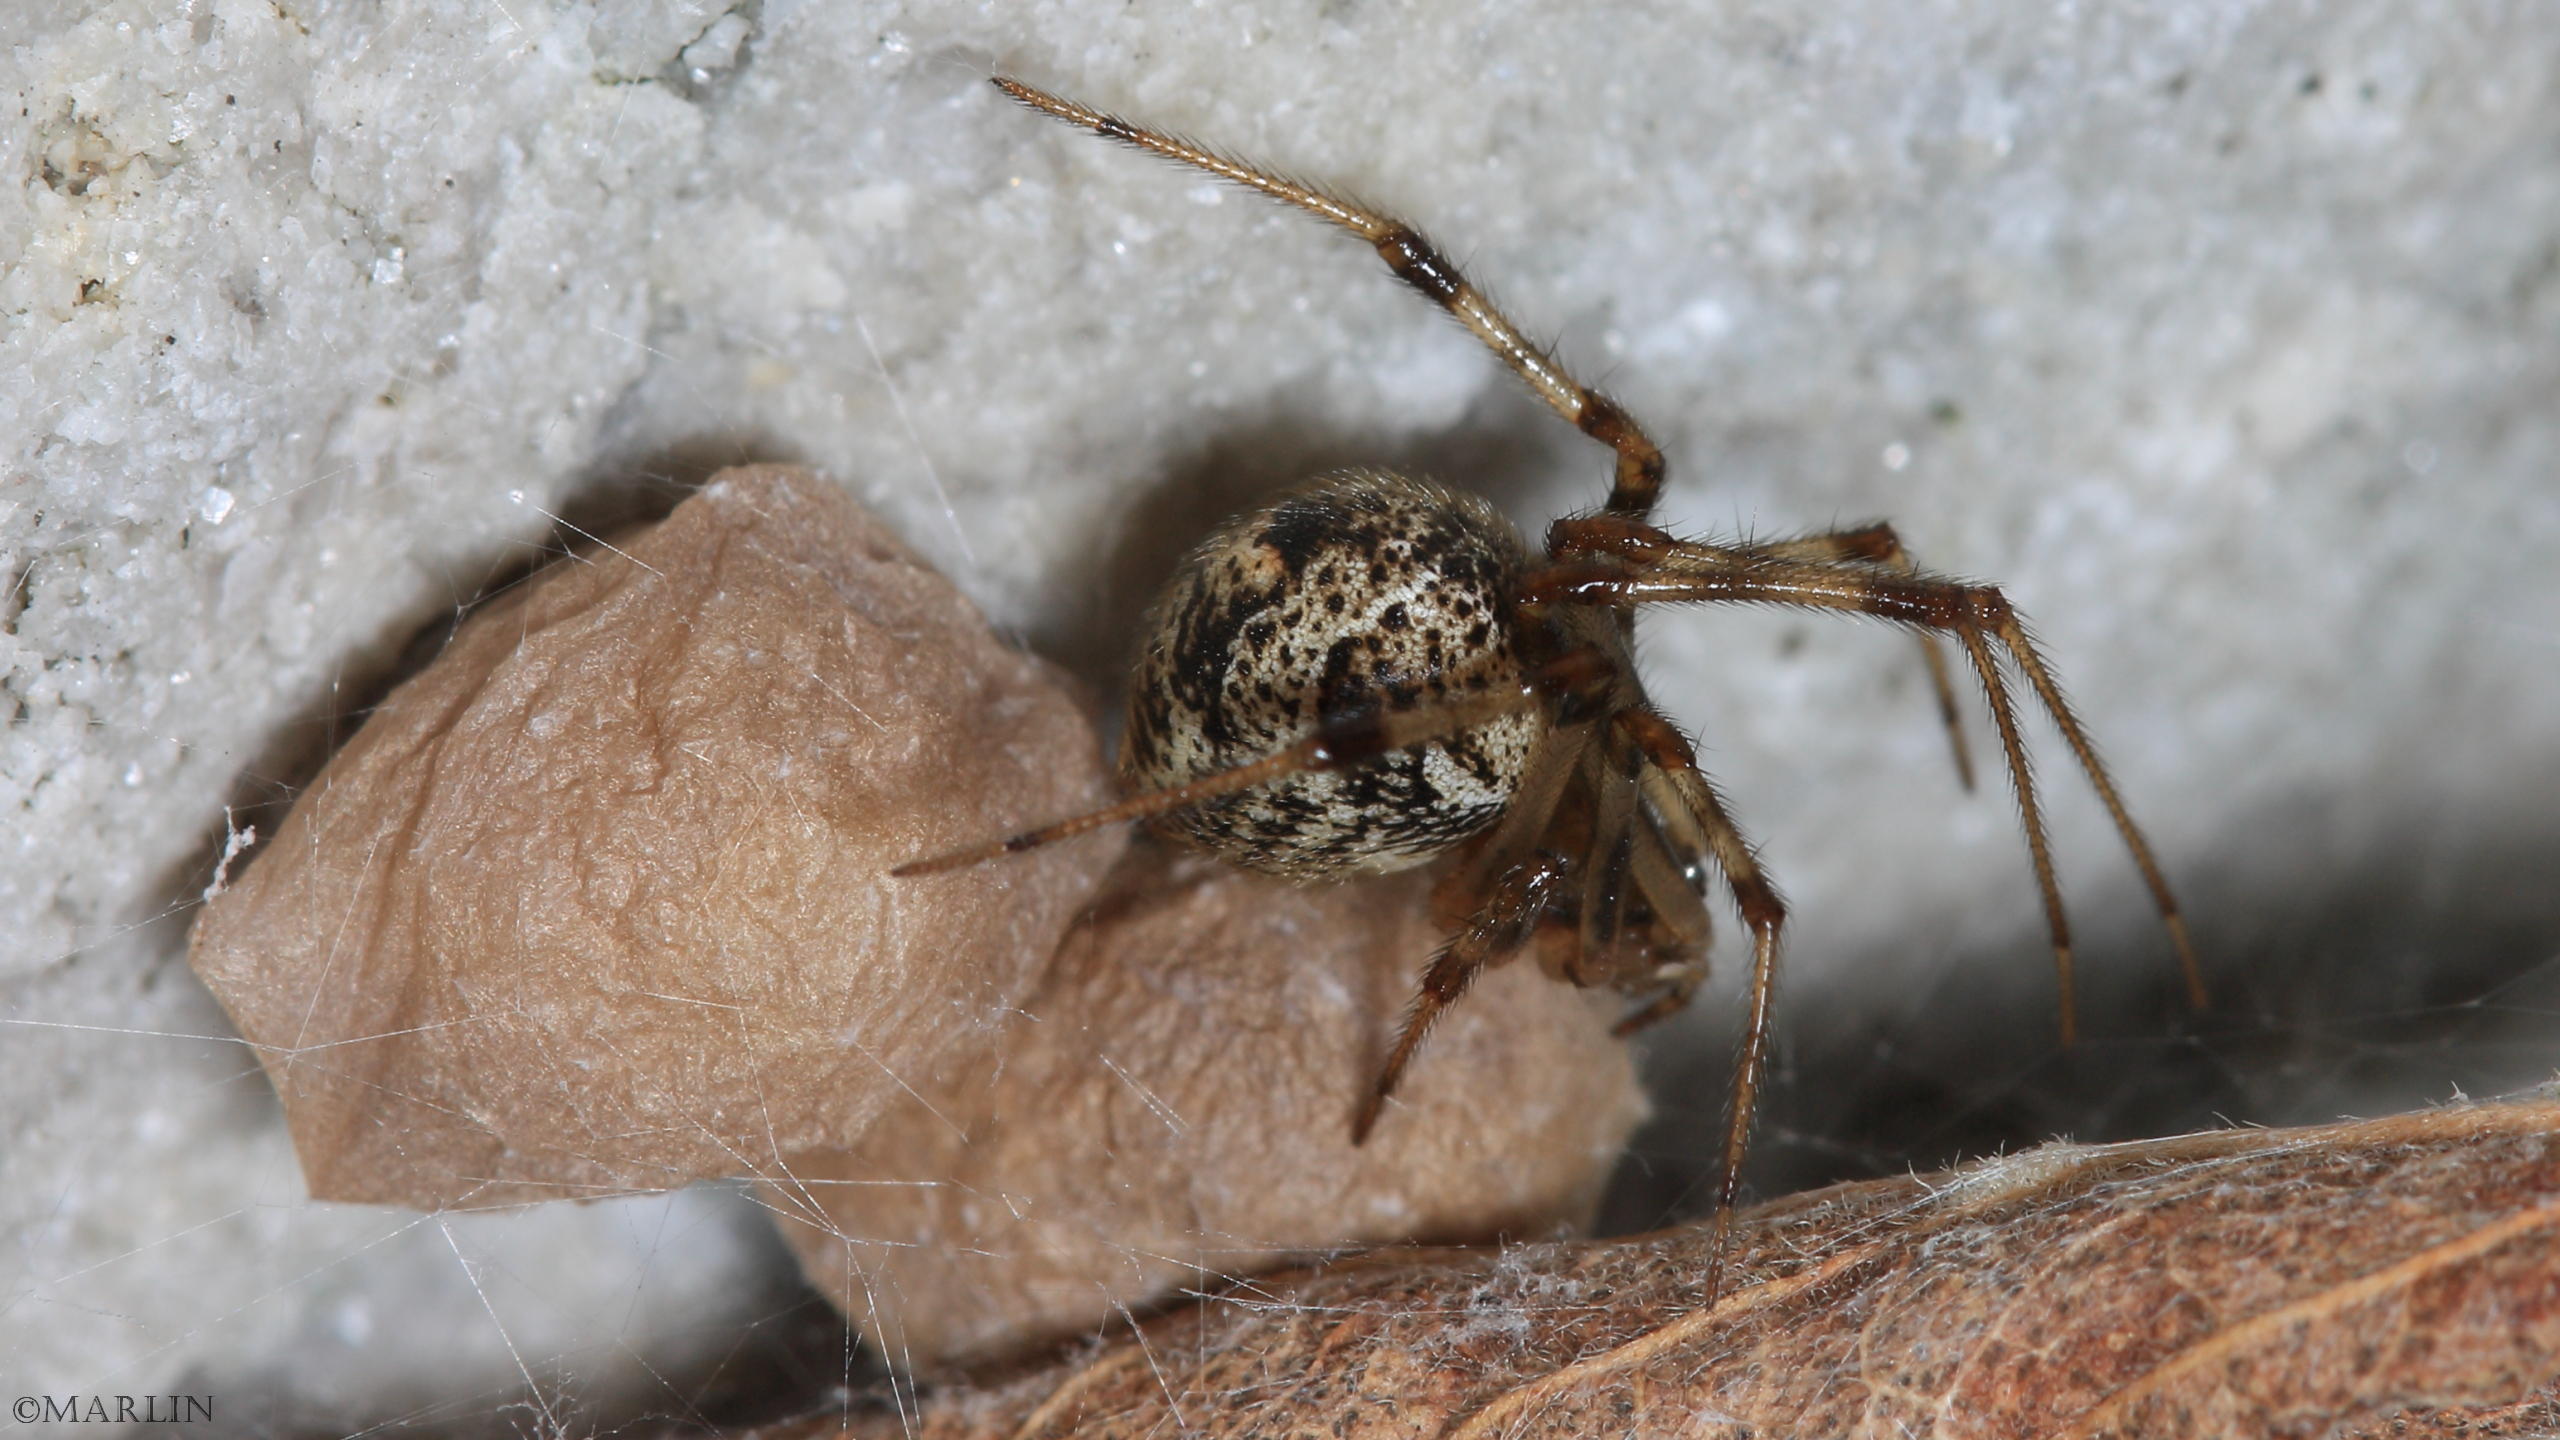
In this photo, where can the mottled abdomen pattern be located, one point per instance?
(1363, 588)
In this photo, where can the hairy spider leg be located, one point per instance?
(1608, 561)
(1878, 545)
(2004, 716)
(1337, 743)
(1419, 264)
(1608, 859)
(1671, 757)
(1619, 753)
(1511, 913)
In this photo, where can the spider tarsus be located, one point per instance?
(963, 859)
(1371, 1107)
(1640, 465)
(2069, 999)
(1718, 1238)
(1110, 127)
(2198, 997)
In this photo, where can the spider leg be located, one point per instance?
(1416, 262)
(2030, 661)
(1676, 903)
(1668, 751)
(1519, 900)
(1879, 546)
(1542, 788)
(1866, 547)
(1609, 864)
(1338, 742)
(1613, 562)
(2004, 717)
(1519, 882)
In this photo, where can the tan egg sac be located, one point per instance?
(595, 901)
(1174, 1106)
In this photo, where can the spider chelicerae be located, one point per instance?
(1375, 672)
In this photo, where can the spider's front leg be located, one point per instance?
(1874, 547)
(1685, 792)
(1520, 900)
(1607, 560)
(1418, 263)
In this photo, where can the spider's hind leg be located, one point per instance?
(1682, 791)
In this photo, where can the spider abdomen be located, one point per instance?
(1362, 590)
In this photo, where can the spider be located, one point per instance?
(1374, 672)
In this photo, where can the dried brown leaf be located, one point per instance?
(2389, 1277)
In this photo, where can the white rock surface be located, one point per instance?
(2225, 334)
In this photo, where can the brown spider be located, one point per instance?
(1374, 672)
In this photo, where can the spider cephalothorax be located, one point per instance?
(1373, 672)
